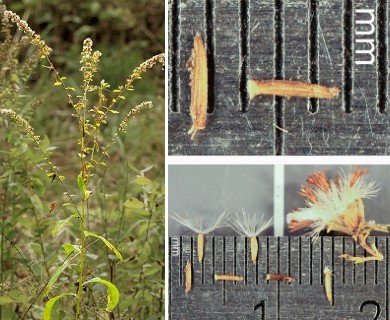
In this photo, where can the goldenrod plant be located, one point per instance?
(91, 103)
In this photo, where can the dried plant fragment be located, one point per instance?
(336, 205)
(250, 226)
(289, 88)
(279, 277)
(188, 272)
(328, 285)
(227, 277)
(197, 65)
(198, 224)
(200, 247)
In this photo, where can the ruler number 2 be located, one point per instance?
(262, 306)
(374, 303)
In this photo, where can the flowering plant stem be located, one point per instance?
(82, 255)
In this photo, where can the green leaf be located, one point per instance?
(133, 168)
(61, 223)
(142, 181)
(57, 83)
(69, 248)
(54, 278)
(38, 186)
(116, 90)
(122, 97)
(151, 269)
(45, 143)
(106, 242)
(80, 183)
(113, 111)
(19, 295)
(37, 203)
(62, 178)
(134, 204)
(49, 305)
(87, 194)
(6, 300)
(112, 292)
(145, 226)
(145, 253)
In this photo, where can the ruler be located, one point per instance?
(360, 291)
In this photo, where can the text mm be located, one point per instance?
(365, 27)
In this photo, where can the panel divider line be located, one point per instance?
(348, 55)
(313, 57)
(382, 59)
(279, 215)
(173, 57)
(279, 74)
(243, 54)
(210, 23)
(387, 285)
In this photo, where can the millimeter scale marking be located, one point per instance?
(360, 291)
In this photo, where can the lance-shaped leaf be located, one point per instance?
(80, 183)
(49, 305)
(54, 277)
(107, 243)
(112, 292)
(60, 224)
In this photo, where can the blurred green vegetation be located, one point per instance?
(127, 33)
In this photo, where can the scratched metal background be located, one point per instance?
(311, 41)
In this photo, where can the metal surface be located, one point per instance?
(360, 291)
(310, 41)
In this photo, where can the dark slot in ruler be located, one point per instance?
(359, 291)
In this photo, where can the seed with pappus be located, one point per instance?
(250, 225)
(198, 224)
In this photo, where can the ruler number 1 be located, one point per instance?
(374, 303)
(262, 306)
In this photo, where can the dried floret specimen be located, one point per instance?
(201, 226)
(250, 225)
(289, 88)
(227, 277)
(336, 205)
(279, 277)
(197, 65)
(188, 272)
